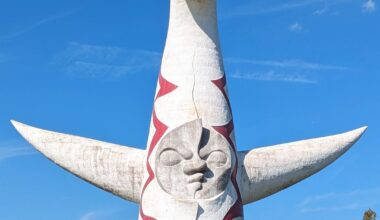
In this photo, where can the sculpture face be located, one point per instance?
(193, 162)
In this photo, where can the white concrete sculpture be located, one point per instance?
(191, 168)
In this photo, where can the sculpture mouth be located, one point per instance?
(195, 182)
(196, 178)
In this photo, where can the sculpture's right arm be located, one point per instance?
(267, 170)
(114, 168)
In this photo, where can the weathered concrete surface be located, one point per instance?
(191, 86)
(265, 171)
(119, 169)
(113, 168)
(176, 178)
(193, 167)
(194, 162)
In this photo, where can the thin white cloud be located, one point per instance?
(89, 216)
(99, 214)
(296, 27)
(291, 70)
(290, 63)
(256, 9)
(273, 76)
(321, 11)
(105, 62)
(97, 70)
(353, 200)
(14, 149)
(351, 206)
(267, 7)
(36, 25)
(369, 6)
(318, 198)
(326, 11)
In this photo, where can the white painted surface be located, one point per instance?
(265, 171)
(262, 171)
(113, 168)
(191, 61)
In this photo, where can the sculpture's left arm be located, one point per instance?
(114, 168)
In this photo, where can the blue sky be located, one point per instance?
(295, 69)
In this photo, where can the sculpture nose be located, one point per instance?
(194, 166)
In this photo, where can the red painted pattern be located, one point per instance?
(160, 130)
(237, 209)
(226, 130)
(165, 88)
(221, 84)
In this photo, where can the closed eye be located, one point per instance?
(216, 159)
(170, 157)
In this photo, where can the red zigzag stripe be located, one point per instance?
(221, 84)
(237, 209)
(165, 88)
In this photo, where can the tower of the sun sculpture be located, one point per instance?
(191, 168)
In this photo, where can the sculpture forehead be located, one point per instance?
(187, 136)
(193, 135)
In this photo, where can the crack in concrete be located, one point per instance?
(192, 91)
